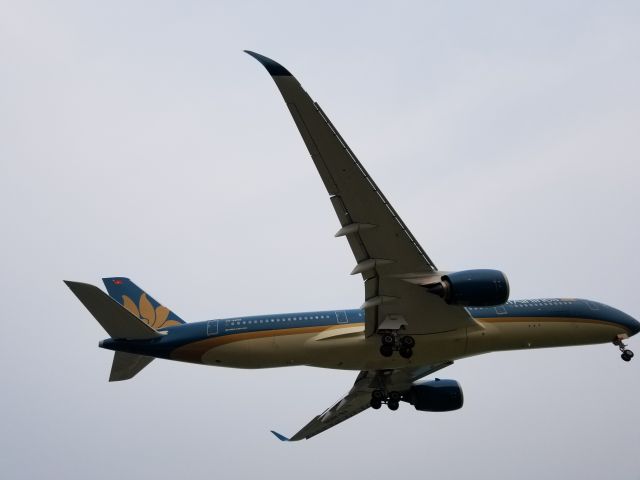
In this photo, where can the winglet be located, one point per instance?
(274, 68)
(280, 436)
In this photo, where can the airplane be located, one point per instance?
(415, 319)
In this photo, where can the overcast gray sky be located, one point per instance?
(138, 140)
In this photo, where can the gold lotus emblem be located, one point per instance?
(154, 317)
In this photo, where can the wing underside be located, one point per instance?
(387, 255)
(392, 263)
(358, 399)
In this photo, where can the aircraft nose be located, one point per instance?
(635, 326)
(627, 321)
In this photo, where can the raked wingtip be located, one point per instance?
(279, 436)
(273, 67)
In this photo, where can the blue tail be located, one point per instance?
(138, 302)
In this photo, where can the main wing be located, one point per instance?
(359, 397)
(389, 258)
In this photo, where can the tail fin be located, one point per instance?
(127, 365)
(140, 304)
(116, 320)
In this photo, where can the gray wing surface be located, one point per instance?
(359, 397)
(387, 255)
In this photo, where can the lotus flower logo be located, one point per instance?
(154, 317)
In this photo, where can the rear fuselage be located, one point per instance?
(336, 339)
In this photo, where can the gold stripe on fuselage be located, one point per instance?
(539, 320)
(194, 351)
(318, 346)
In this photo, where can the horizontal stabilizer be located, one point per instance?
(114, 318)
(127, 365)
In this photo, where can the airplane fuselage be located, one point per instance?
(336, 339)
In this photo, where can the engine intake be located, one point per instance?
(472, 288)
(436, 396)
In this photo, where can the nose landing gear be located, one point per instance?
(627, 355)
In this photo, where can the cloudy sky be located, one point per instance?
(138, 140)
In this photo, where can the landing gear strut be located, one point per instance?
(627, 355)
(391, 341)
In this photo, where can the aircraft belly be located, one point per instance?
(524, 333)
(345, 349)
(250, 353)
(357, 352)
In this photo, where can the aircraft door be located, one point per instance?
(212, 328)
(341, 316)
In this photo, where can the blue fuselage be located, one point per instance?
(520, 323)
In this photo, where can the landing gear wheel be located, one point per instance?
(408, 342)
(378, 395)
(386, 350)
(394, 397)
(406, 352)
(376, 403)
(393, 405)
(387, 339)
(627, 355)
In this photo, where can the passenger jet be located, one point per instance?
(414, 321)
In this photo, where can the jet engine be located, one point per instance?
(472, 288)
(435, 396)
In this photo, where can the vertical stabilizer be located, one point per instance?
(140, 303)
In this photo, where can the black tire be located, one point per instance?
(406, 352)
(628, 353)
(386, 350)
(376, 403)
(378, 395)
(408, 342)
(625, 357)
(387, 339)
(394, 396)
(393, 406)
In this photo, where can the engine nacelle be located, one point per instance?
(472, 288)
(436, 396)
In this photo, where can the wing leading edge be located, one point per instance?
(389, 258)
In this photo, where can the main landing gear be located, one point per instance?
(392, 399)
(627, 355)
(391, 341)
